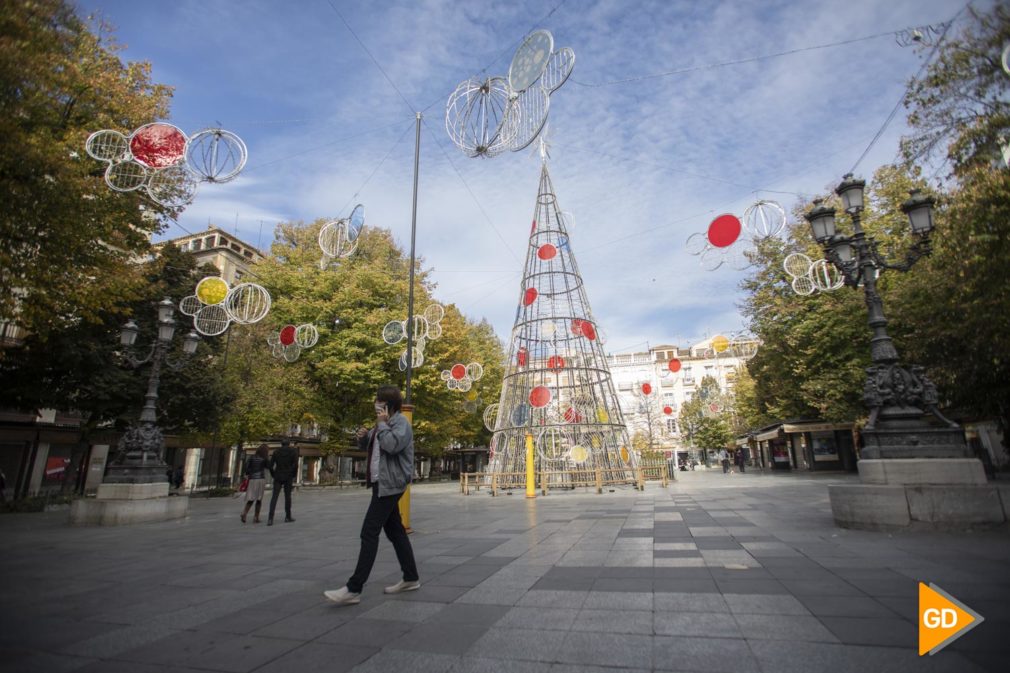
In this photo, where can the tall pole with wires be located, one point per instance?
(413, 237)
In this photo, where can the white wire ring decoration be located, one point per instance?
(306, 336)
(802, 285)
(393, 332)
(553, 444)
(356, 222)
(125, 176)
(558, 69)
(107, 145)
(826, 276)
(216, 155)
(434, 313)
(530, 60)
(417, 356)
(491, 416)
(476, 116)
(527, 117)
(291, 352)
(211, 320)
(764, 219)
(1005, 59)
(247, 303)
(335, 241)
(797, 264)
(172, 187)
(189, 305)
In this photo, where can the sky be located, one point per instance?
(324, 94)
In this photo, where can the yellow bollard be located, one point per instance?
(404, 503)
(531, 478)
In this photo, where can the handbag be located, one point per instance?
(244, 486)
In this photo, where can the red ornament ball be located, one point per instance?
(529, 296)
(547, 251)
(158, 145)
(555, 362)
(540, 396)
(674, 365)
(522, 357)
(287, 335)
(646, 388)
(724, 230)
(458, 371)
(668, 410)
(572, 416)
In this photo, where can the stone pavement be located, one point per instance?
(715, 573)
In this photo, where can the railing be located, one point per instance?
(566, 479)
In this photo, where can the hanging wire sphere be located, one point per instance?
(172, 187)
(475, 371)
(826, 276)
(559, 68)
(434, 313)
(420, 327)
(445, 375)
(696, 244)
(189, 305)
(764, 219)
(420, 343)
(334, 240)
(465, 384)
(477, 114)
(211, 320)
(158, 145)
(393, 332)
(712, 259)
(797, 264)
(452, 384)
(356, 222)
(274, 339)
(491, 416)
(470, 407)
(802, 285)
(553, 444)
(527, 117)
(212, 290)
(738, 257)
(247, 303)
(530, 60)
(107, 145)
(416, 355)
(306, 335)
(216, 155)
(125, 176)
(434, 330)
(291, 352)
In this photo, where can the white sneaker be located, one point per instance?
(401, 586)
(342, 596)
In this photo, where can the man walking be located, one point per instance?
(724, 459)
(283, 466)
(390, 447)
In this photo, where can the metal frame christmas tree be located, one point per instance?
(557, 386)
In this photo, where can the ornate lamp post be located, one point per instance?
(140, 458)
(896, 396)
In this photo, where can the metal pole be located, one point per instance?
(413, 236)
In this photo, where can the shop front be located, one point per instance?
(804, 445)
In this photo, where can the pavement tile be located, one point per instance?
(765, 604)
(890, 631)
(557, 619)
(526, 644)
(845, 606)
(406, 660)
(366, 632)
(318, 656)
(688, 602)
(711, 655)
(626, 600)
(439, 638)
(613, 620)
(707, 624)
(606, 649)
(801, 657)
(784, 627)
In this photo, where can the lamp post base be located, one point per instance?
(124, 504)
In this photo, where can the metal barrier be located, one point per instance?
(596, 478)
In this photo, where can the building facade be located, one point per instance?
(231, 255)
(654, 417)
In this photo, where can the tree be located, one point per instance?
(67, 242)
(713, 433)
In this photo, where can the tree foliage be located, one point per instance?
(67, 241)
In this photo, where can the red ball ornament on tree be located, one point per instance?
(646, 388)
(547, 251)
(540, 396)
(522, 357)
(674, 365)
(668, 410)
(572, 416)
(287, 336)
(458, 371)
(529, 296)
(555, 362)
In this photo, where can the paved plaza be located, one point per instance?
(733, 573)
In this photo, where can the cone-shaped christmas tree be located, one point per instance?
(557, 385)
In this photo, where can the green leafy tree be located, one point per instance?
(67, 242)
(713, 433)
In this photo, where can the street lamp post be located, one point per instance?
(140, 457)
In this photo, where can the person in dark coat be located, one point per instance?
(255, 469)
(283, 466)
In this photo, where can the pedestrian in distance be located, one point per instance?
(177, 478)
(283, 466)
(724, 459)
(390, 449)
(741, 459)
(255, 470)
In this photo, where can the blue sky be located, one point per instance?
(641, 165)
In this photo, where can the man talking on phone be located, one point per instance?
(390, 447)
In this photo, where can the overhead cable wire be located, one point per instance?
(470, 191)
(374, 60)
(904, 95)
(317, 148)
(377, 167)
(739, 61)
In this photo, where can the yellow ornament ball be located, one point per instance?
(578, 454)
(625, 456)
(720, 344)
(212, 290)
(602, 416)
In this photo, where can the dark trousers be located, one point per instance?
(725, 465)
(286, 485)
(382, 514)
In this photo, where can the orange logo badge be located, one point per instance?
(942, 619)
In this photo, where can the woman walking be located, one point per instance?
(390, 447)
(255, 470)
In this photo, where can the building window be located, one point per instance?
(208, 242)
(236, 247)
(671, 426)
(247, 253)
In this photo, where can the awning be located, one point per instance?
(815, 427)
(770, 434)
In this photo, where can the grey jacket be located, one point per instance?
(396, 454)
